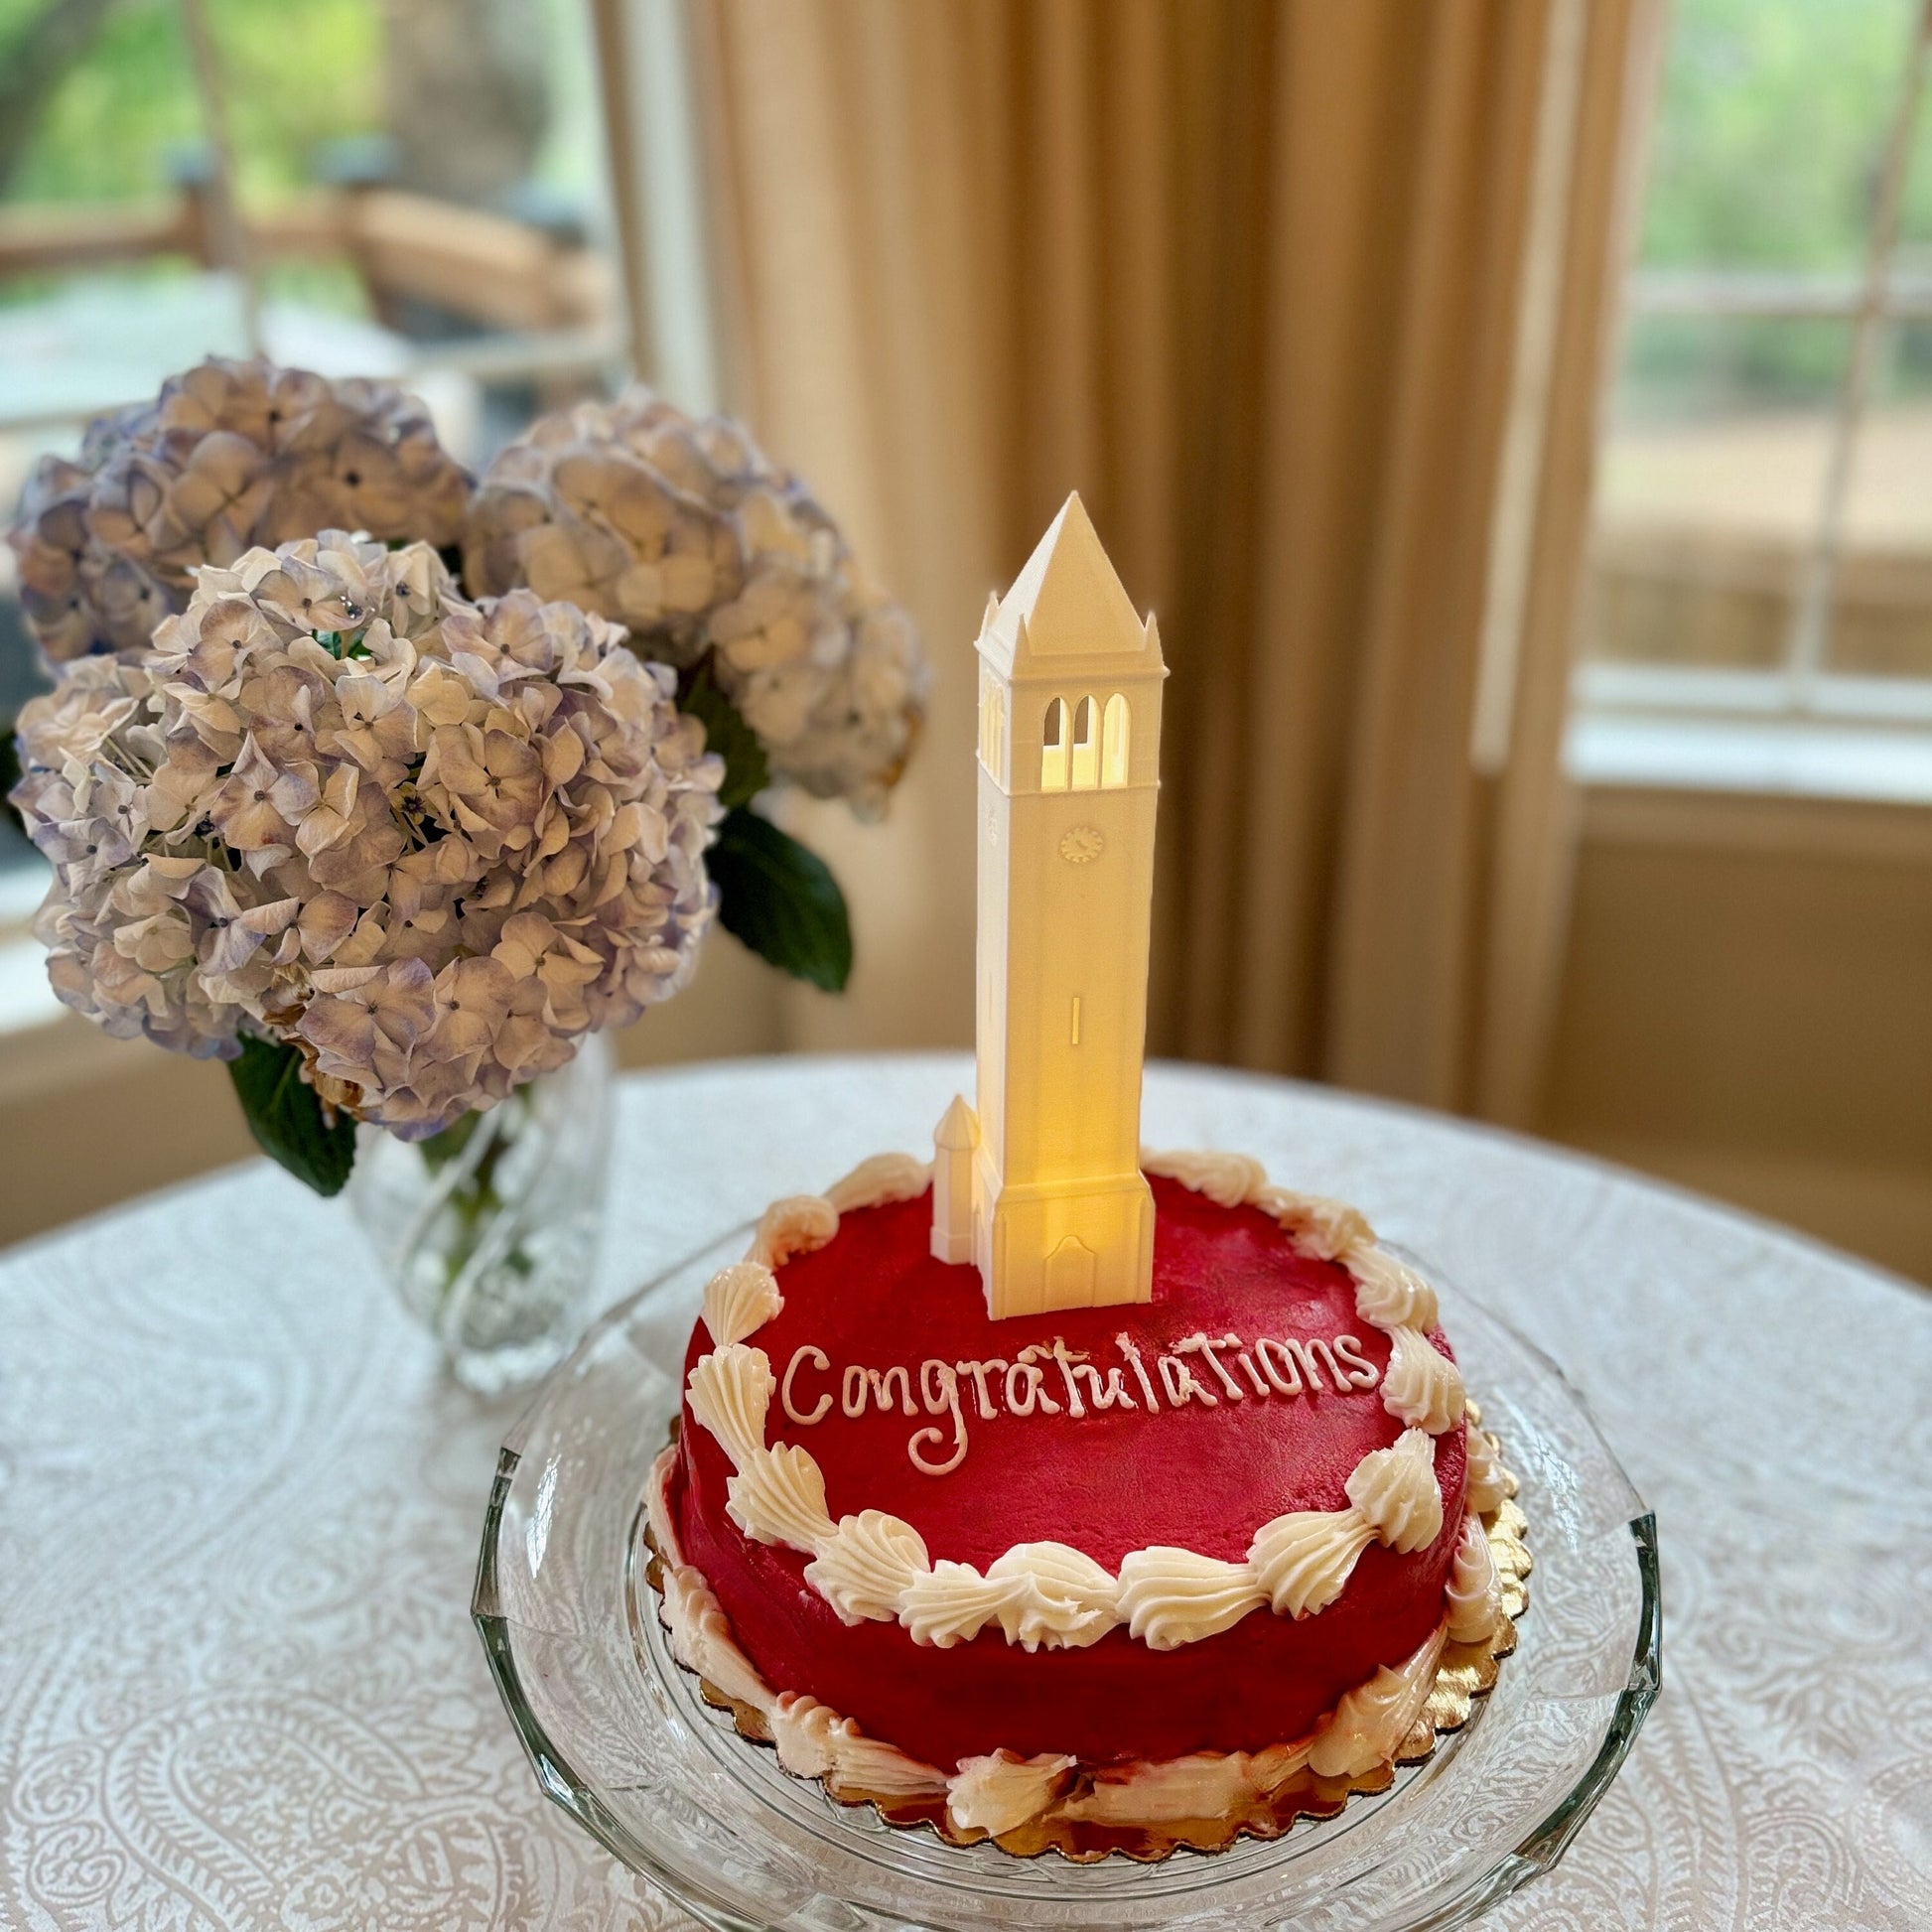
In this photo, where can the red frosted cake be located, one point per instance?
(1149, 1572)
(1054, 1492)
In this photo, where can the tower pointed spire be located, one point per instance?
(1067, 603)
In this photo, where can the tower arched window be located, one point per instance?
(1086, 745)
(1056, 746)
(993, 728)
(1113, 742)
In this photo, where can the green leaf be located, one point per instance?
(746, 771)
(10, 771)
(782, 900)
(285, 1115)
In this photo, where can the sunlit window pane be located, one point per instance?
(1709, 487)
(1883, 618)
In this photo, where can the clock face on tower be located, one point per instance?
(1080, 845)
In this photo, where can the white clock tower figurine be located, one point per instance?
(1040, 1187)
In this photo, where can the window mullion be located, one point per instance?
(231, 235)
(1811, 618)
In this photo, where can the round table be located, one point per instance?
(239, 1511)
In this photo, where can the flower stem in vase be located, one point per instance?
(488, 1227)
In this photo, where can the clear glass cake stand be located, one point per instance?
(621, 1740)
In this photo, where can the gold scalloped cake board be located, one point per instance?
(1466, 1671)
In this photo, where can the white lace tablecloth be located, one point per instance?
(239, 1512)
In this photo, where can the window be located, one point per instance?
(1113, 743)
(1086, 745)
(315, 181)
(1758, 603)
(1083, 747)
(181, 194)
(1053, 747)
(992, 727)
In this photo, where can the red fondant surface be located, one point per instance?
(1106, 1482)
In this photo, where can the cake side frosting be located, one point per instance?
(1001, 1791)
(1032, 1801)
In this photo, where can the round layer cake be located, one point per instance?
(1121, 1563)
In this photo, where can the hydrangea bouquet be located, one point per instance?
(388, 789)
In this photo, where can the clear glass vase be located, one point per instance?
(490, 1229)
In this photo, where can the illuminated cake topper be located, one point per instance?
(1040, 1187)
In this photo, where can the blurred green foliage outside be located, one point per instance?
(1765, 149)
(298, 73)
(1768, 132)
(1765, 145)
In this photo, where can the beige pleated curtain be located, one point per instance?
(1307, 300)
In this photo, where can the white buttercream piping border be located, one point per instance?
(1000, 1792)
(874, 1566)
